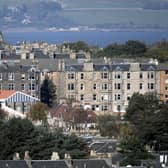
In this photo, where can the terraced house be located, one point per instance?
(15, 76)
(109, 87)
(105, 87)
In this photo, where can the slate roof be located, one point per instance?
(103, 67)
(163, 66)
(120, 67)
(40, 54)
(103, 147)
(13, 164)
(133, 167)
(148, 67)
(61, 56)
(87, 163)
(10, 57)
(80, 56)
(107, 147)
(49, 164)
(78, 68)
(13, 67)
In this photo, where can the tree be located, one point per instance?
(149, 118)
(133, 151)
(20, 135)
(14, 137)
(2, 114)
(77, 46)
(133, 47)
(38, 112)
(109, 126)
(48, 92)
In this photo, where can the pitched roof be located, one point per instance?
(4, 94)
(59, 109)
(81, 163)
(49, 164)
(13, 164)
(16, 96)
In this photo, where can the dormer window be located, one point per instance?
(104, 75)
(11, 76)
(0, 76)
(71, 76)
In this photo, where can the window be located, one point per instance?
(117, 86)
(104, 86)
(104, 108)
(82, 76)
(32, 86)
(94, 86)
(118, 108)
(128, 86)
(95, 107)
(141, 75)
(11, 86)
(117, 96)
(128, 98)
(150, 75)
(0, 85)
(104, 75)
(81, 97)
(71, 86)
(104, 97)
(22, 86)
(0, 76)
(94, 97)
(166, 96)
(31, 76)
(23, 77)
(11, 76)
(128, 75)
(71, 76)
(140, 86)
(117, 76)
(82, 86)
(151, 86)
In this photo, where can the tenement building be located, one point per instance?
(105, 87)
(108, 87)
(16, 76)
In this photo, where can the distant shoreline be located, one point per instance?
(78, 29)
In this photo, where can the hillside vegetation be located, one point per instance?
(96, 13)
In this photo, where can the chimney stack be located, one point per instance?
(55, 156)
(16, 156)
(27, 159)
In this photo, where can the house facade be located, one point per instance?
(15, 76)
(108, 88)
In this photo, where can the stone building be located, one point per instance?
(16, 76)
(107, 88)
(163, 89)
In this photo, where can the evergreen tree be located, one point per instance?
(20, 135)
(149, 118)
(48, 92)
